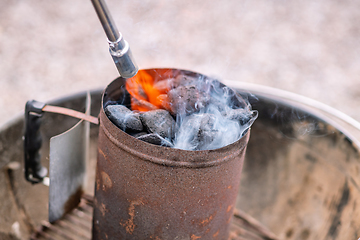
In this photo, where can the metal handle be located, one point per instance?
(119, 48)
(34, 172)
(34, 110)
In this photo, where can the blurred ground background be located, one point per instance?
(49, 49)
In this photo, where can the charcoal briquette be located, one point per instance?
(159, 121)
(187, 99)
(139, 134)
(206, 132)
(198, 131)
(240, 114)
(156, 139)
(124, 118)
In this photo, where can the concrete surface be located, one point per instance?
(49, 49)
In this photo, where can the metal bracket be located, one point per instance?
(68, 158)
(34, 110)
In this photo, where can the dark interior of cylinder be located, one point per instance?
(116, 93)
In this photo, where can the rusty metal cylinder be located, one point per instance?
(145, 191)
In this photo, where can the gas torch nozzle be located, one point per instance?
(118, 47)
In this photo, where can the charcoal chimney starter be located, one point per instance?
(145, 191)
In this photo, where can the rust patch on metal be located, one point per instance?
(229, 187)
(229, 208)
(129, 224)
(106, 180)
(103, 209)
(194, 237)
(156, 238)
(206, 221)
(97, 184)
(73, 200)
(102, 154)
(229, 220)
(216, 234)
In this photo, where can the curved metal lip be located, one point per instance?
(318, 109)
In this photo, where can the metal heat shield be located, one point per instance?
(68, 158)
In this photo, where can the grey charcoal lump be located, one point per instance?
(155, 139)
(159, 121)
(124, 118)
(155, 127)
(240, 114)
(196, 131)
(187, 99)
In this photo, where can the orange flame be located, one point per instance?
(148, 90)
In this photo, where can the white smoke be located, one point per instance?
(218, 118)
